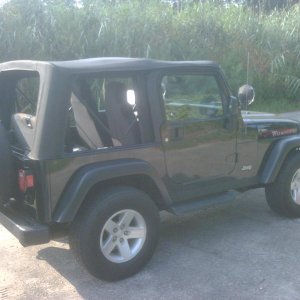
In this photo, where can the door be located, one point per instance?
(199, 137)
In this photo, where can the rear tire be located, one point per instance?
(116, 233)
(283, 196)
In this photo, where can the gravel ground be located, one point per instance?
(236, 251)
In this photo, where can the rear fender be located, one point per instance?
(87, 177)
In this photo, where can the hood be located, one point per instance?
(271, 125)
(248, 113)
(256, 115)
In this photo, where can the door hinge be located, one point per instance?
(236, 157)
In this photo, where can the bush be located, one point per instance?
(58, 30)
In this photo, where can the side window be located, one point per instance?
(191, 97)
(105, 111)
(98, 87)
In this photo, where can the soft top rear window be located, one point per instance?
(26, 92)
(19, 92)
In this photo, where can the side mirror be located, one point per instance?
(246, 95)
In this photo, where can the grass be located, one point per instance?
(135, 28)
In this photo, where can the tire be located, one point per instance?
(106, 249)
(6, 167)
(283, 196)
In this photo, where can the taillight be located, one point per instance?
(26, 180)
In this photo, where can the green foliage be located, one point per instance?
(269, 5)
(59, 30)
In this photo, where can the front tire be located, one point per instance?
(116, 234)
(283, 196)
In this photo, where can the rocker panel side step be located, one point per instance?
(194, 205)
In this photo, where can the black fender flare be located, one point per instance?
(277, 157)
(88, 176)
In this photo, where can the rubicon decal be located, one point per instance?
(268, 133)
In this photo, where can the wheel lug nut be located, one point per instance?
(115, 230)
(126, 232)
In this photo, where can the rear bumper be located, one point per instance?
(27, 230)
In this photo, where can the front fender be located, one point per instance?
(277, 157)
(86, 177)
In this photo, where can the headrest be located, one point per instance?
(116, 91)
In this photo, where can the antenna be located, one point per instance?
(248, 65)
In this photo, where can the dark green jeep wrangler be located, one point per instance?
(96, 148)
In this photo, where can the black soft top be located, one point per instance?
(54, 95)
(102, 64)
